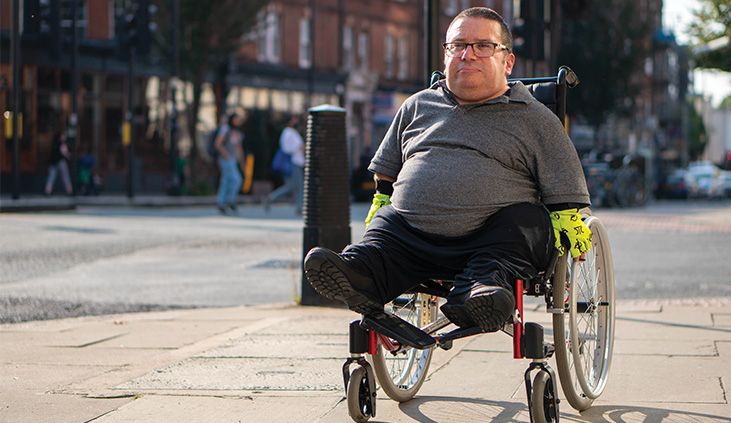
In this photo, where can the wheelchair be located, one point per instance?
(395, 348)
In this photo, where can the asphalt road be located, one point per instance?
(102, 260)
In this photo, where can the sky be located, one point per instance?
(677, 15)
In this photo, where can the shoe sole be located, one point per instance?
(458, 315)
(490, 311)
(331, 283)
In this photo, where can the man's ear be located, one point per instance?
(509, 63)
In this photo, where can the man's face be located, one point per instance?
(474, 79)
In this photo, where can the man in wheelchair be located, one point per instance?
(476, 183)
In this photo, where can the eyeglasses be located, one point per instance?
(481, 49)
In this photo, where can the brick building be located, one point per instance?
(366, 57)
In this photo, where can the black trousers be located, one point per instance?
(514, 243)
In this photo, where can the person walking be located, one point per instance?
(230, 161)
(291, 143)
(58, 163)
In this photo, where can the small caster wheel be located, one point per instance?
(361, 398)
(544, 404)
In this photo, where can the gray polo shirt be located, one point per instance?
(456, 165)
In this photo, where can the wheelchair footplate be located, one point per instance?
(445, 340)
(397, 328)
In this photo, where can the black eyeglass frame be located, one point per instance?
(495, 47)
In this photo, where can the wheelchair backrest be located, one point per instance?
(551, 91)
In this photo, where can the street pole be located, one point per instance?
(16, 98)
(73, 120)
(311, 70)
(128, 122)
(432, 38)
(174, 22)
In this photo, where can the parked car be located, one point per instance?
(708, 178)
(726, 176)
(679, 185)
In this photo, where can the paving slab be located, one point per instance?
(21, 407)
(282, 363)
(156, 408)
(250, 373)
(721, 320)
(306, 345)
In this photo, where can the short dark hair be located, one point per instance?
(231, 118)
(489, 14)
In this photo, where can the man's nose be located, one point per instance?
(469, 47)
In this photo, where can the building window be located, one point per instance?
(305, 61)
(364, 50)
(55, 18)
(268, 46)
(390, 50)
(348, 50)
(508, 11)
(451, 8)
(403, 58)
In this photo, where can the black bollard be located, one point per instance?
(327, 189)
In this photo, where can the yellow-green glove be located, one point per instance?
(569, 223)
(379, 200)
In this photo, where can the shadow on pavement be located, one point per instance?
(431, 409)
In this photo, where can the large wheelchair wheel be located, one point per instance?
(584, 333)
(401, 375)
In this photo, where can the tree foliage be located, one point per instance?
(605, 43)
(697, 136)
(712, 21)
(209, 34)
(726, 103)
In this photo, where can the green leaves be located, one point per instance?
(712, 23)
(606, 44)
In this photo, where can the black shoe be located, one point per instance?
(222, 210)
(233, 208)
(336, 279)
(485, 306)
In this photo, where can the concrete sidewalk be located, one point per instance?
(282, 363)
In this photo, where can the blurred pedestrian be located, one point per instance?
(231, 161)
(89, 182)
(58, 163)
(292, 144)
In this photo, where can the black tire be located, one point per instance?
(401, 375)
(630, 188)
(584, 333)
(359, 396)
(542, 404)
